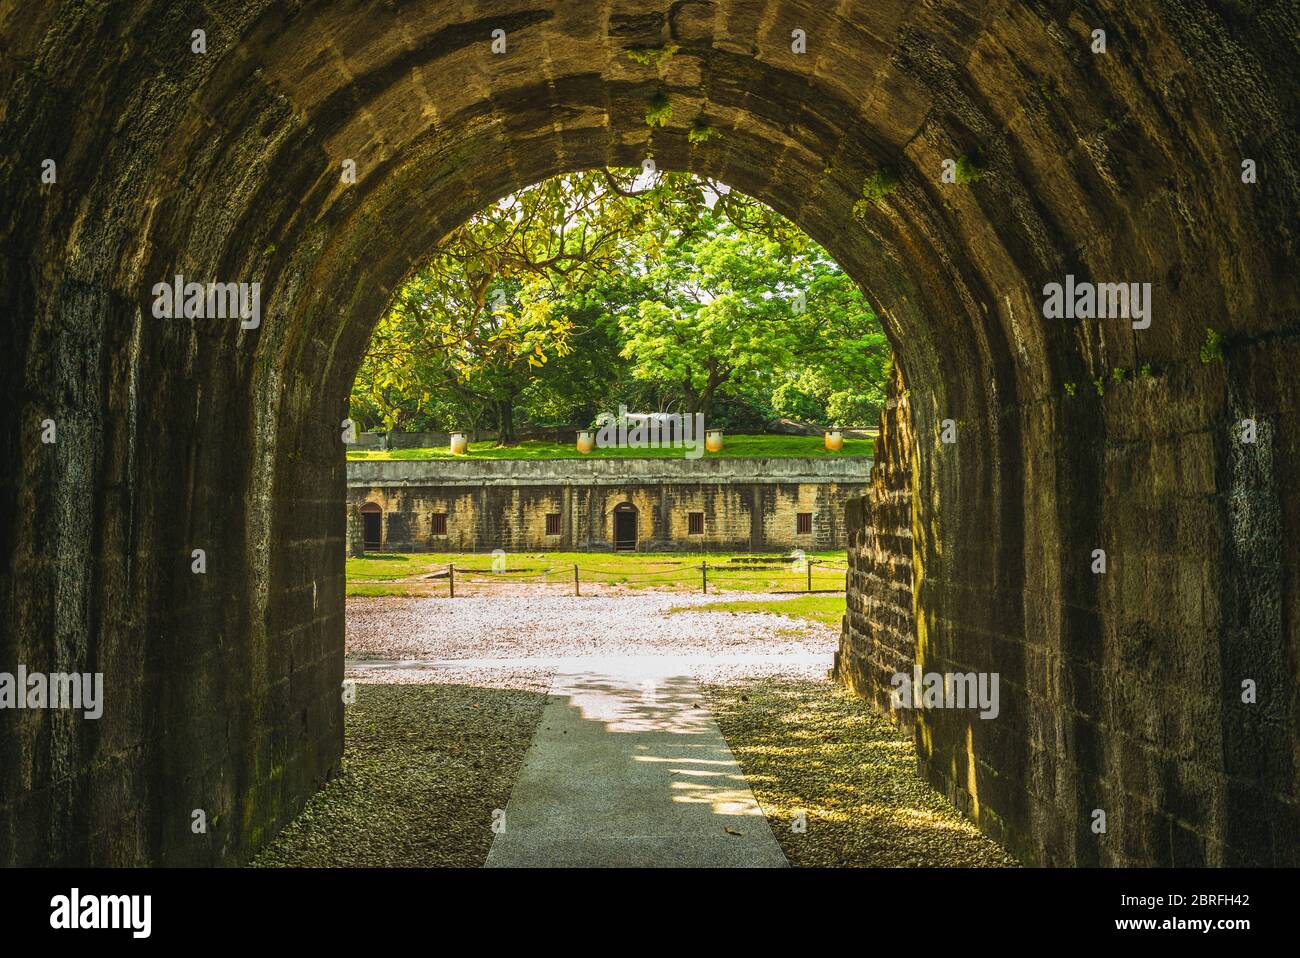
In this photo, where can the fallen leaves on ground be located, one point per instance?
(816, 754)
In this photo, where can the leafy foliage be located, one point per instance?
(661, 291)
(653, 56)
(970, 169)
(880, 184)
(1212, 348)
(700, 131)
(660, 110)
(882, 181)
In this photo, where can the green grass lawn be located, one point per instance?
(823, 608)
(737, 447)
(400, 573)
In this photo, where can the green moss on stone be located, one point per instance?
(1212, 348)
(882, 181)
(970, 169)
(653, 56)
(700, 131)
(660, 110)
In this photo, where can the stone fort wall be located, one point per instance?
(480, 505)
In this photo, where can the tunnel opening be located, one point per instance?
(319, 155)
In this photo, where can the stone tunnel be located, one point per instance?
(1163, 150)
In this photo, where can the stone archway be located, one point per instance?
(229, 166)
(372, 526)
(624, 533)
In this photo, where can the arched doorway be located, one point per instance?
(372, 526)
(1056, 423)
(625, 527)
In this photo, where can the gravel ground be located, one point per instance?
(424, 766)
(811, 747)
(550, 625)
(432, 751)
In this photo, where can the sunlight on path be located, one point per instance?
(629, 769)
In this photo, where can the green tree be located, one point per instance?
(738, 311)
(615, 286)
(720, 313)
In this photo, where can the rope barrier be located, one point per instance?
(780, 576)
(745, 577)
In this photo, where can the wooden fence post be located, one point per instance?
(451, 580)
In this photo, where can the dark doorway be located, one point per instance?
(372, 526)
(625, 528)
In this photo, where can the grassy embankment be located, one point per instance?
(736, 447)
(825, 608)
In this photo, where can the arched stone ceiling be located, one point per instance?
(1123, 166)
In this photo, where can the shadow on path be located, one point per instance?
(629, 769)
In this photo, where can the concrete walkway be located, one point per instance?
(627, 768)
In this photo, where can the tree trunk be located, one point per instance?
(693, 398)
(506, 417)
(702, 400)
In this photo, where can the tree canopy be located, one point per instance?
(661, 291)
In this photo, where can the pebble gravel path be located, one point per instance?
(434, 747)
(518, 626)
(424, 766)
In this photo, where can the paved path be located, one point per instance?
(628, 768)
